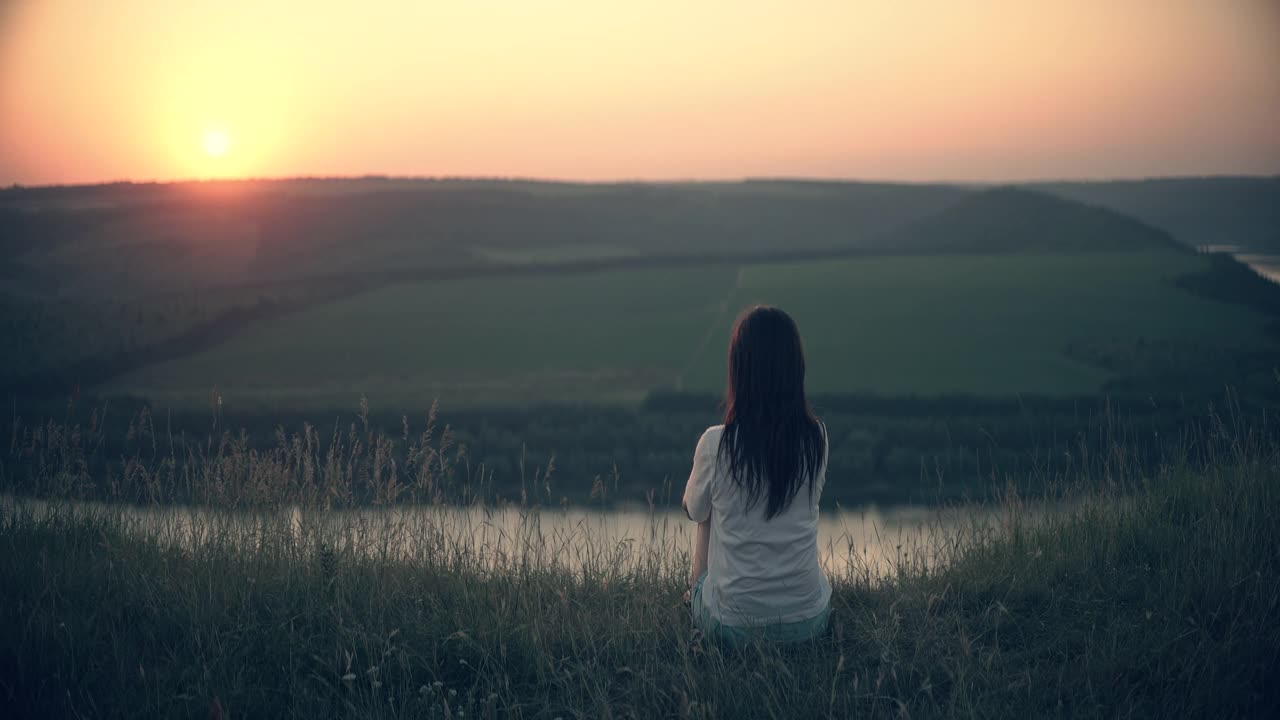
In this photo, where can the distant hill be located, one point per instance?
(1242, 211)
(1011, 219)
(163, 238)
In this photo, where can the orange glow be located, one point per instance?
(915, 90)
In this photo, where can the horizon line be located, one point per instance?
(17, 186)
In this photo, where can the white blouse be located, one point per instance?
(758, 572)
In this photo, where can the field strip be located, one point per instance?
(724, 308)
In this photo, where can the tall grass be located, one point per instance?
(1150, 595)
(341, 467)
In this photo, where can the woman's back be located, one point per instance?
(754, 493)
(759, 571)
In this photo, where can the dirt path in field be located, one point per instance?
(724, 307)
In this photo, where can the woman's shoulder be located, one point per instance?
(710, 439)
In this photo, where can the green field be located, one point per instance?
(603, 337)
(976, 324)
(991, 324)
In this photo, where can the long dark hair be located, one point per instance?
(772, 441)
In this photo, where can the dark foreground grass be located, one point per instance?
(1157, 598)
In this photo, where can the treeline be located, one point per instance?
(1229, 280)
(54, 350)
(883, 450)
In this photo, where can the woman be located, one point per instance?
(754, 491)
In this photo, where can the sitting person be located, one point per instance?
(754, 491)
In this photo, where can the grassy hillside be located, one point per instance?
(976, 324)
(1142, 596)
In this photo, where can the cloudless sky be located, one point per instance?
(92, 90)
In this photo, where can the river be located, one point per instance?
(1266, 265)
(867, 542)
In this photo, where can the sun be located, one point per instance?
(216, 143)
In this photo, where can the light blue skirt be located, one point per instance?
(798, 631)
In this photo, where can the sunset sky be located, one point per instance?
(878, 89)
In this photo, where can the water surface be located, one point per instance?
(868, 541)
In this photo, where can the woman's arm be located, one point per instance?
(700, 543)
(697, 503)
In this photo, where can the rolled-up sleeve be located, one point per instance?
(697, 493)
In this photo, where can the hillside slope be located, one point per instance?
(1242, 211)
(1010, 219)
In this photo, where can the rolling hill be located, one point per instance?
(106, 282)
(1242, 211)
(1011, 219)
(189, 235)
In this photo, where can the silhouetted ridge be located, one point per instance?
(1012, 219)
(1196, 211)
